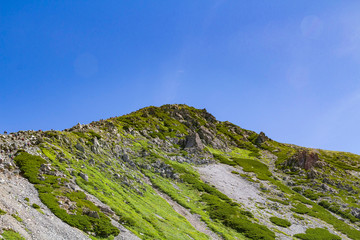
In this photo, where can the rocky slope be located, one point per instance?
(173, 172)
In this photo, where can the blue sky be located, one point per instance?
(288, 68)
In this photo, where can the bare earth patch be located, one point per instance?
(251, 198)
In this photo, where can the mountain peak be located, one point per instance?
(151, 173)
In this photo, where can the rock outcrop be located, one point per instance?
(303, 159)
(193, 141)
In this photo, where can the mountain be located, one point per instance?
(173, 172)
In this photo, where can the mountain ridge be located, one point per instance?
(112, 179)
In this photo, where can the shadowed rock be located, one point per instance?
(261, 138)
(194, 141)
(303, 159)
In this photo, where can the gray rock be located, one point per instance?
(117, 150)
(194, 141)
(84, 176)
(96, 142)
(90, 213)
(261, 138)
(107, 210)
(355, 212)
(125, 157)
(79, 147)
(91, 161)
(63, 160)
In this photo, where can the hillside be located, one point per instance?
(173, 172)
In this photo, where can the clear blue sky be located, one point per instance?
(288, 68)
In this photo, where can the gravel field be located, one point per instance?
(250, 196)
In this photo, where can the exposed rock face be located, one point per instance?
(84, 176)
(96, 146)
(303, 159)
(92, 162)
(261, 138)
(194, 141)
(122, 158)
(90, 213)
(355, 212)
(210, 138)
(79, 147)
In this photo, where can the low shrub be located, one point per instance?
(235, 218)
(249, 165)
(300, 209)
(30, 165)
(298, 217)
(34, 205)
(335, 208)
(10, 234)
(224, 160)
(324, 204)
(19, 219)
(2, 212)
(311, 194)
(280, 222)
(127, 221)
(317, 234)
(297, 189)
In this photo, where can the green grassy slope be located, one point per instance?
(121, 160)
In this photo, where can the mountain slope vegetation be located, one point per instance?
(175, 172)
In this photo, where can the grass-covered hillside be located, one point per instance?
(175, 172)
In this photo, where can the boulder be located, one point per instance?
(107, 210)
(355, 212)
(84, 176)
(313, 174)
(96, 142)
(194, 141)
(125, 157)
(79, 147)
(303, 159)
(91, 213)
(46, 169)
(261, 138)
(205, 134)
(91, 161)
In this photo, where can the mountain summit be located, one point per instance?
(173, 172)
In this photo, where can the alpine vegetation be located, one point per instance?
(173, 172)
